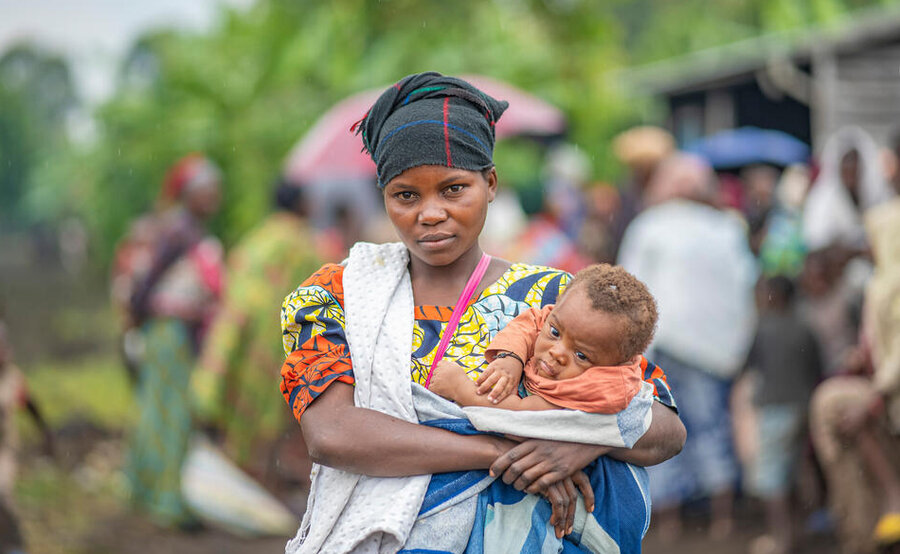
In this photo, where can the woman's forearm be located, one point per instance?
(663, 439)
(340, 435)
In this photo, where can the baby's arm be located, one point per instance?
(501, 377)
(507, 353)
(450, 381)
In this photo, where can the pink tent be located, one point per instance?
(330, 151)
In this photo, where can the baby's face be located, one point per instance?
(576, 337)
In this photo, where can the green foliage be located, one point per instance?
(94, 390)
(36, 95)
(245, 91)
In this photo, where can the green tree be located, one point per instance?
(36, 96)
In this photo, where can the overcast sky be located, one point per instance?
(94, 34)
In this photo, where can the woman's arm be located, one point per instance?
(535, 464)
(663, 440)
(340, 435)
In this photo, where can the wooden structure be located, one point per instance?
(807, 83)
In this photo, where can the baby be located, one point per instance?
(584, 353)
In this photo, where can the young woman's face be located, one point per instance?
(439, 211)
(576, 337)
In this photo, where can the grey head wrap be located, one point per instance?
(430, 119)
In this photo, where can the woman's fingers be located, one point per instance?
(528, 476)
(504, 462)
(572, 495)
(559, 505)
(584, 485)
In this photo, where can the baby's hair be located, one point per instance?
(615, 291)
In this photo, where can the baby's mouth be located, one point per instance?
(546, 369)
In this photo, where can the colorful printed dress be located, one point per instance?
(315, 343)
(234, 370)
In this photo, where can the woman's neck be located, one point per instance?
(441, 285)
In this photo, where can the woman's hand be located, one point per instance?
(535, 464)
(563, 498)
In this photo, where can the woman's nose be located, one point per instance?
(432, 212)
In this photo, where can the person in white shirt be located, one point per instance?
(696, 260)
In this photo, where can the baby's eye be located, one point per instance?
(554, 332)
(580, 356)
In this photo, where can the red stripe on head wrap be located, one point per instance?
(447, 130)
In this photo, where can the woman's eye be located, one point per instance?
(554, 332)
(404, 195)
(455, 188)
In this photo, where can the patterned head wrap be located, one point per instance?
(430, 119)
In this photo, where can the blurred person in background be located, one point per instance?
(233, 381)
(567, 171)
(850, 182)
(831, 306)
(14, 396)
(785, 365)
(640, 149)
(173, 304)
(856, 418)
(596, 239)
(505, 221)
(781, 250)
(549, 237)
(759, 183)
(696, 260)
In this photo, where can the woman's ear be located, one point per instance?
(492, 184)
(636, 359)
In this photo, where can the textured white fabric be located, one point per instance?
(348, 512)
(621, 430)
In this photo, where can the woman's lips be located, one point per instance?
(435, 242)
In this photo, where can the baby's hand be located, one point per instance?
(501, 378)
(447, 378)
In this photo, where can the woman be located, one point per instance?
(173, 303)
(850, 182)
(432, 140)
(232, 384)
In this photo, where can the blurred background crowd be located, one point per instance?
(741, 158)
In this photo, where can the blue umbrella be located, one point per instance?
(749, 145)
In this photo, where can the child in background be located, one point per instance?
(786, 360)
(584, 353)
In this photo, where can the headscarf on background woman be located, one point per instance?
(846, 187)
(173, 304)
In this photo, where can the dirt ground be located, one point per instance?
(76, 504)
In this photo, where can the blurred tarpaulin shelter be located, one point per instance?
(806, 83)
(329, 159)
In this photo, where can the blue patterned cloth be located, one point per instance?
(468, 511)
